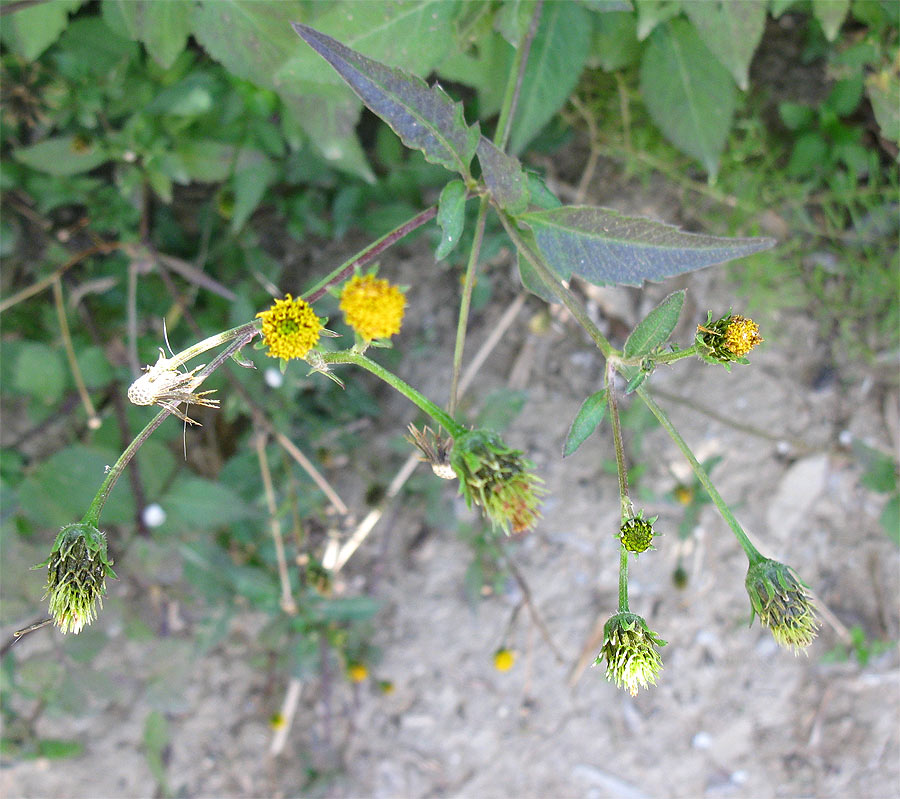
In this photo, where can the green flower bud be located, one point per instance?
(497, 479)
(630, 651)
(783, 604)
(637, 534)
(76, 576)
(728, 339)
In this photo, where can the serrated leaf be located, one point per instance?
(424, 117)
(656, 326)
(588, 418)
(61, 156)
(503, 176)
(689, 94)
(451, 217)
(831, 15)
(732, 31)
(603, 246)
(33, 29)
(162, 27)
(558, 53)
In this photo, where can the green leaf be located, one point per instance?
(588, 418)
(531, 280)
(656, 327)
(163, 27)
(732, 31)
(424, 117)
(62, 155)
(796, 116)
(156, 739)
(831, 15)
(451, 217)
(250, 183)
(30, 31)
(890, 519)
(58, 748)
(39, 372)
(500, 409)
(604, 246)
(558, 53)
(654, 12)
(689, 94)
(615, 44)
(539, 194)
(201, 505)
(503, 176)
(883, 88)
(205, 160)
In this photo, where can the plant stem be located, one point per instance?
(370, 253)
(671, 357)
(751, 551)
(623, 580)
(617, 440)
(416, 397)
(465, 303)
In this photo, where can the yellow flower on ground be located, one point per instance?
(741, 336)
(357, 672)
(504, 659)
(372, 307)
(290, 328)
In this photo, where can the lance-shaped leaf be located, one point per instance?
(503, 176)
(656, 327)
(451, 217)
(589, 416)
(603, 246)
(424, 117)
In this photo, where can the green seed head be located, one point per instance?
(637, 533)
(630, 651)
(783, 604)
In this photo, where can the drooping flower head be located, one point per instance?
(76, 576)
(783, 604)
(497, 479)
(630, 650)
(372, 307)
(637, 534)
(729, 339)
(290, 328)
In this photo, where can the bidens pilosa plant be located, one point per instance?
(554, 244)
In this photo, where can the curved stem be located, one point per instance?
(751, 551)
(416, 397)
(465, 303)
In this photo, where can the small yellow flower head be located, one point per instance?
(504, 659)
(76, 576)
(684, 495)
(497, 479)
(783, 604)
(630, 650)
(728, 339)
(372, 307)
(357, 672)
(637, 534)
(277, 721)
(386, 687)
(290, 328)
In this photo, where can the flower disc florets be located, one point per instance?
(728, 339)
(783, 604)
(372, 307)
(637, 533)
(630, 651)
(290, 328)
(497, 479)
(76, 576)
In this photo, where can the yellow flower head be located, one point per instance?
(504, 659)
(357, 672)
(290, 328)
(741, 336)
(372, 307)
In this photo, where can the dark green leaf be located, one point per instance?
(31, 30)
(503, 176)
(656, 327)
(202, 505)
(603, 246)
(539, 194)
(250, 184)
(589, 416)
(162, 27)
(557, 56)
(61, 155)
(615, 43)
(732, 31)
(451, 217)
(531, 280)
(654, 12)
(424, 117)
(689, 94)
(39, 372)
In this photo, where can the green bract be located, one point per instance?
(630, 651)
(783, 604)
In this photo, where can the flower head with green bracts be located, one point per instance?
(637, 533)
(76, 576)
(727, 340)
(290, 328)
(372, 307)
(497, 479)
(783, 604)
(630, 651)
